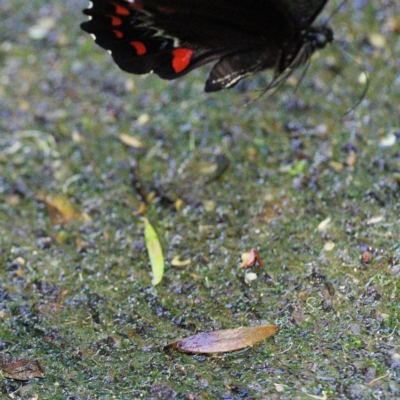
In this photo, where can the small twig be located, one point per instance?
(323, 397)
(135, 181)
(377, 379)
(285, 351)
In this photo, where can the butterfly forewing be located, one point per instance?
(172, 37)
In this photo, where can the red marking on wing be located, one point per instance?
(118, 34)
(115, 21)
(121, 10)
(136, 5)
(166, 10)
(181, 59)
(140, 48)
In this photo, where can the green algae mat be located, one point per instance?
(281, 210)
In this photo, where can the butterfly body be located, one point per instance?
(172, 37)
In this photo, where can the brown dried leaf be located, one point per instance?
(250, 259)
(351, 158)
(224, 340)
(393, 24)
(60, 209)
(21, 369)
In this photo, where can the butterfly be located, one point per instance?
(172, 37)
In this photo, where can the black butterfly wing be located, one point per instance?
(304, 11)
(229, 70)
(291, 17)
(172, 37)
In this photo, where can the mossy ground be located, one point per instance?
(79, 298)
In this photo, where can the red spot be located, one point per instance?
(136, 5)
(118, 34)
(115, 21)
(181, 59)
(121, 10)
(140, 48)
(165, 10)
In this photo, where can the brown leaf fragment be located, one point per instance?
(393, 24)
(366, 257)
(21, 369)
(224, 340)
(250, 259)
(351, 158)
(60, 209)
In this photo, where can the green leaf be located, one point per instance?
(298, 168)
(155, 252)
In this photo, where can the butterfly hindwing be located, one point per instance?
(231, 69)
